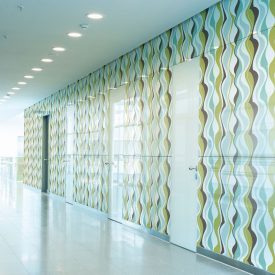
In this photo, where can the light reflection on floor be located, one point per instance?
(40, 234)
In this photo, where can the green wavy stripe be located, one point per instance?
(217, 140)
(271, 104)
(202, 146)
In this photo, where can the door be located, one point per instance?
(185, 121)
(45, 154)
(115, 161)
(69, 153)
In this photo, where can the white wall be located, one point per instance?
(10, 129)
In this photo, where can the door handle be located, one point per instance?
(45, 159)
(109, 163)
(192, 168)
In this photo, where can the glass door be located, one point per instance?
(185, 121)
(116, 157)
(69, 154)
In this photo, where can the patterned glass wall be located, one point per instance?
(237, 157)
(236, 42)
(33, 147)
(237, 165)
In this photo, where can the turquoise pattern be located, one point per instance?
(235, 40)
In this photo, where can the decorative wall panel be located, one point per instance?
(33, 147)
(237, 165)
(236, 42)
(91, 177)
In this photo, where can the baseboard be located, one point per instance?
(55, 196)
(91, 210)
(147, 230)
(234, 263)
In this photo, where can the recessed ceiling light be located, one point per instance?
(15, 88)
(59, 49)
(74, 34)
(28, 76)
(6, 97)
(37, 69)
(95, 16)
(21, 83)
(3, 100)
(46, 60)
(11, 93)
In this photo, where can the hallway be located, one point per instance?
(40, 234)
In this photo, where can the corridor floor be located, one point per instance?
(40, 234)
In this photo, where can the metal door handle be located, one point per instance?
(109, 163)
(192, 168)
(45, 159)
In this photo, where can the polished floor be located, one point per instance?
(40, 234)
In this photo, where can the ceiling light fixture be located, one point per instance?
(47, 60)
(6, 97)
(11, 93)
(74, 34)
(37, 69)
(15, 88)
(21, 83)
(95, 16)
(59, 49)
(28, 76)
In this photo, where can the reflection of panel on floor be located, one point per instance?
(7, 168)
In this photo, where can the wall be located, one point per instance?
(237, 165)
(236, 41)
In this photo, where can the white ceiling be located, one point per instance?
(27, 36)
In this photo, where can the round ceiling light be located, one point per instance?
(28, 76)
(74, 34)
(95, 16)
(59, 49)
(47, 60)
(37, 69)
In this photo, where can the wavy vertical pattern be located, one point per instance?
(235, 40)
(236, 168)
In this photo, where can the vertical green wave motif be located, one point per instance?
(235, 41)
